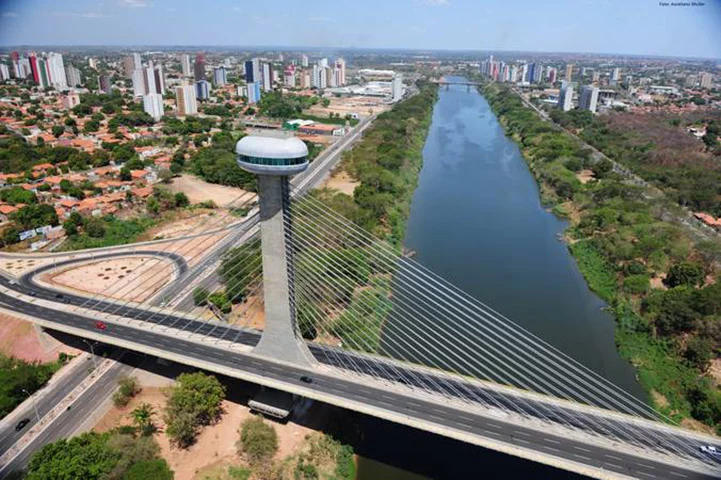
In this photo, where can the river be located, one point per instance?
(476, 219)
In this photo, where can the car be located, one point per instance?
(100, 325)
(59, 295)
(13, 282)
(21, 424)
(32, 293)
(306, 379)
(710, 449)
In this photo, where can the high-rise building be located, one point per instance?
(267, 77)
(569, 73)
(319, 80)
(397, 87)
(588, 98)
(15, 56)
(104, 84)
(159, 80)
(149, 79)
(706, 79)
(34, 67)
(44, 74)
(305, 80)
(202, 90)
(185, 99)
(331, 79)
(153, 105)
(137, 61)
(289, 77)
(340, 65)
(552, 75)
(129, 66)
(139, 88)
(565, 99)
(220, 76)
(595, 76)
(4, 72)
(199, 68)
(73, 76)
(538, 74)
(92, 63)
(524, 72)
(304, 61)
(253, 71)
(615, 75)
(253, 92)
(56, 71)
(185, 64)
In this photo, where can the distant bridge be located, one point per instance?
(446, 82)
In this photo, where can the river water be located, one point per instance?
(476, 219)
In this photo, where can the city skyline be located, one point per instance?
(591, 26)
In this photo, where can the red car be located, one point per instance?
(100, 325)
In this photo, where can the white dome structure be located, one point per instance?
(272, 156)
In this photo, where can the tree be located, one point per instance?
(194, 401)
(156, 469)
(258, 441)
(127, 388)
(85, 456)
(153, 205)
(143, 418)
(181, 200)
(36, 215)
(685, 273)
(699, 352)
(58, 131)
(95, 227)
(200, 296)
(165, 175)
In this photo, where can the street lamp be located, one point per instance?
(92, 352)
(35, 407)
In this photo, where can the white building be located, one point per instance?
(149, 79)
(565, 99)
(267, 77)
(220, 76)
(186, 101)
(4, 72)
(588, 98)
(72, 100)
(137, 61)
(615, 75)
(139, 83)
(304, 61)
(253, 92)
(153, 105)
(56, 69)
(397, 88)
(289, 80)
(340, 66)
(185, 64)
(73, 76)
(92, 63)
(706, 79)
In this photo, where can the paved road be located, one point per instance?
(51, 395)
(385, 398)
(70, 420)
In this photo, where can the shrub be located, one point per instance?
(636, 284)
(258, 440)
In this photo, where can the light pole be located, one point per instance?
(35, 407)
(92, 352)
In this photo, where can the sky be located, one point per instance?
(642, 27)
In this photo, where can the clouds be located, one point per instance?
(436, 3)
(79, 14)
(9, 15)
(134, 3)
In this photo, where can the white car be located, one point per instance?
(710, 449)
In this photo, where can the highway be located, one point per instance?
(367, 394)
(70, 420)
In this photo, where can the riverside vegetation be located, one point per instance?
(386, 163)
(657, 281)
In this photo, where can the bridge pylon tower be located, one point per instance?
(274, 160)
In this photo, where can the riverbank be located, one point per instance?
(624, 249)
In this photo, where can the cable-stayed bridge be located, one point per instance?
(376, 332)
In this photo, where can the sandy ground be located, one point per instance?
(657, 282)
(19, 266)
(342, 182)
(198, 222)
(198, 191)
(715, 370)
(356, 104)
(215, 444)
(585, 176)
(20, 339)
(250, 313)
(127, 278)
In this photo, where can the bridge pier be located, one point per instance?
(274, 160)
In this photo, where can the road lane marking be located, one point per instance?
(493, 425)
(611, 456)
(646, 466)
(678, 474)
(580, 456)
(645, 474)
(614, 465)
(522, 433)
(550, 440)
(520, 440)
(582, 449)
